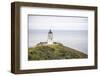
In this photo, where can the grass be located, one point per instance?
(54, 51)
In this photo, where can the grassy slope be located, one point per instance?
(54, 51)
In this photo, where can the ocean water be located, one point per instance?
(75, 39)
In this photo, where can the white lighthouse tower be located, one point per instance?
(50, 37)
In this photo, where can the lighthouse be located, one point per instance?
(50, 37)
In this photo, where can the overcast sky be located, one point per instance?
(57, 22)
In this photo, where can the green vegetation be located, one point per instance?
(54, 51)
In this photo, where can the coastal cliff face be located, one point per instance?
(54, 51)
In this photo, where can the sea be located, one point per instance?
(76, 39)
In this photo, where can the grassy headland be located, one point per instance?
(54, 51)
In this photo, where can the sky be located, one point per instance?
(57, 22)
